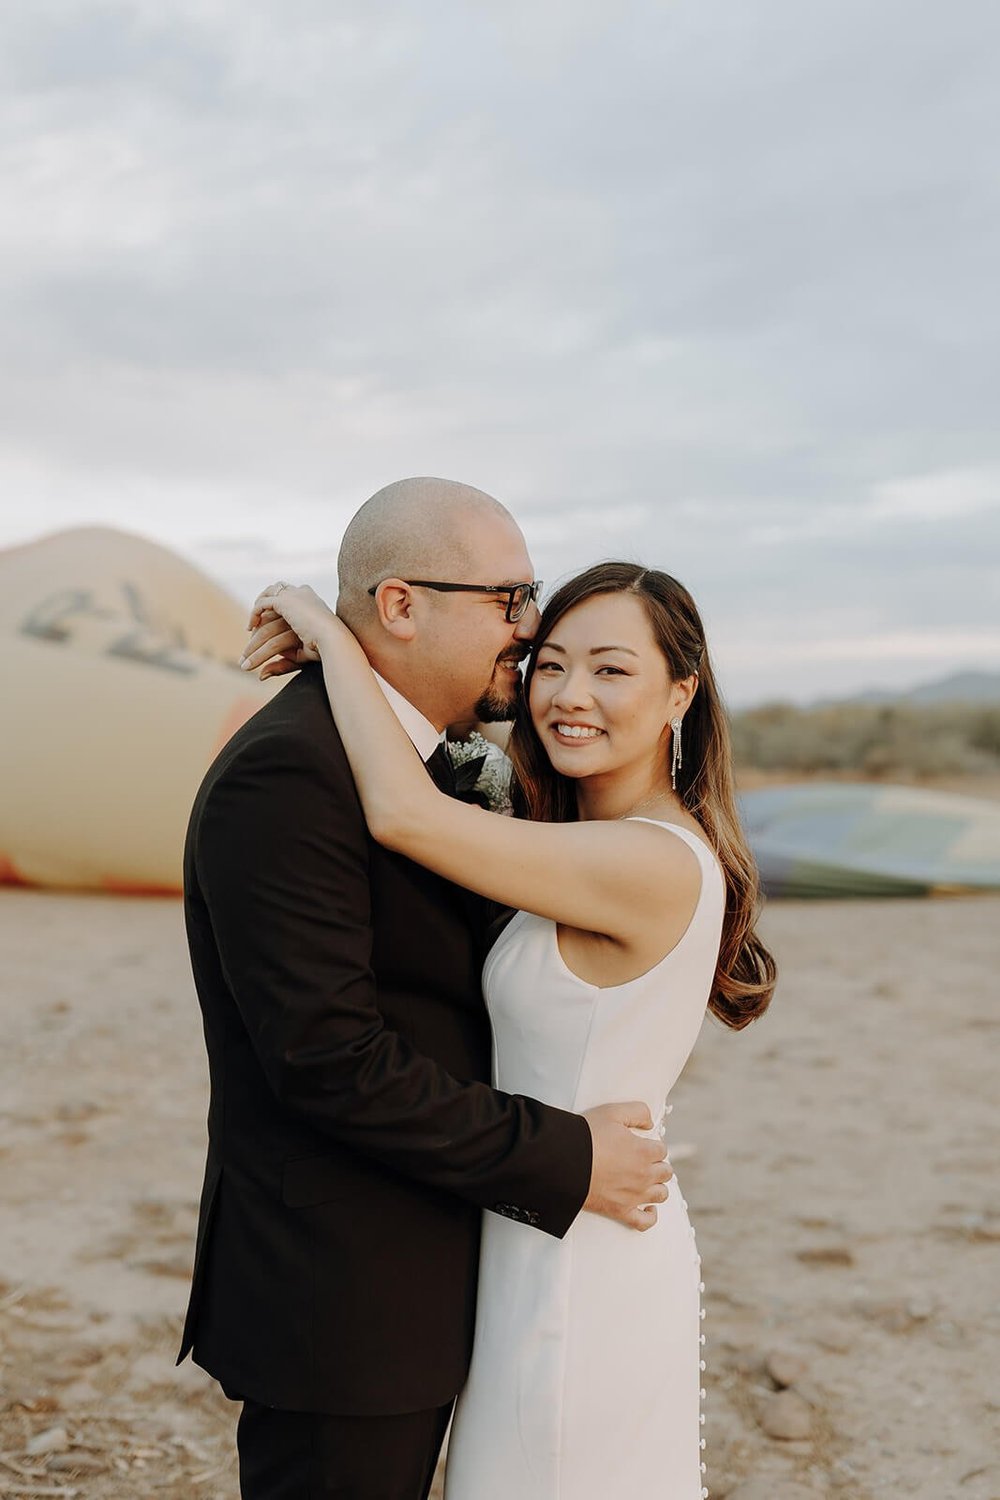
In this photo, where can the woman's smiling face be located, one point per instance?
(601, 698)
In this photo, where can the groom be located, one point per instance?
(353, 1137)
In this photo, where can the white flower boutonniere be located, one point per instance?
(482, 772)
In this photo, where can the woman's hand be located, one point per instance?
(288, 626)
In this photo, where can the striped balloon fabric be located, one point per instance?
(829, 839)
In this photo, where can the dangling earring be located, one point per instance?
(676, 757)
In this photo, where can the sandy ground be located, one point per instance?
(839, 1162)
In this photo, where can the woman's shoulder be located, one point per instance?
(690, 833)
(685, 849)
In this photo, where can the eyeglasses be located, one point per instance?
(519, 595)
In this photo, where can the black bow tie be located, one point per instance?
(442, 772)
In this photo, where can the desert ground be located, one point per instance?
(839, 1161)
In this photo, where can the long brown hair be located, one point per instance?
(745, 975)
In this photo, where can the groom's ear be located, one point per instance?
(394, 603)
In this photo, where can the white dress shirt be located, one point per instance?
(420, 729)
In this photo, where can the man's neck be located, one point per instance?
(389, 673)
(422, 731)
(411, 702)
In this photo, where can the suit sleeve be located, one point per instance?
(279, 851)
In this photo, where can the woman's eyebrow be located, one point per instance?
(594, 650)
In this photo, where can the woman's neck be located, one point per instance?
(621, 794)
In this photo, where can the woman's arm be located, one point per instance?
(610, 877)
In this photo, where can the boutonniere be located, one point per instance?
(482, 772)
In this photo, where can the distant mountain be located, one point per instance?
(959, 687)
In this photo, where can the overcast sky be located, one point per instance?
(712, 285)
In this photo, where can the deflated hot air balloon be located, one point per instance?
(119, 683)
(834, 839)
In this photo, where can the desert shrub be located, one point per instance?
(984, 729)
(877, 740)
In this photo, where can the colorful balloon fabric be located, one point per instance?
(119, 683)
(833, 839)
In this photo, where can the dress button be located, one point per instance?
(701, 1338)
(701, 1420)
(701, 1364)
(704, 1468)
(702, 1443)
(701, 1312)
(701, 1393)
(701, 1286)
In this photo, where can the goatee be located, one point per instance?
(497, 706)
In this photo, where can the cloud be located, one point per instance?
(703, 284)
(940, 497)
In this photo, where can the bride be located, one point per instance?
(635, 897)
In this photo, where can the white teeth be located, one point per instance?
(578, 731)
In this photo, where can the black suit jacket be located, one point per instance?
(353, 1138)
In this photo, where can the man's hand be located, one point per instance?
(630, 1172)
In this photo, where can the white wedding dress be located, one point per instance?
(586, 1368)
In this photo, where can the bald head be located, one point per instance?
(453, 654)
(413, 528)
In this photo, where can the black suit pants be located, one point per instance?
(291, 1455)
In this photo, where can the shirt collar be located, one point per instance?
(420, 729)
